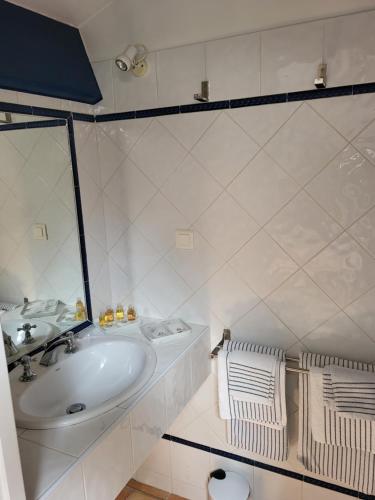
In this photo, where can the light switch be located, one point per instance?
(40, 232)
(185, 239)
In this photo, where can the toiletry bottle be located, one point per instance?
(80, 314)
(131, 314)
(120, 313)
(109, 316)
(102, 320)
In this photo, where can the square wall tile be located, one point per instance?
(365, 142)
(71, 487)
(224, 149)
(157, 153)
(362, 313)
(302, 228)
(125, 133)
(312, 492)
(346, 187)
(156, 470)
(301, 305)
(190, 465)
(148, 422)
(290, 149)
(191, 189)
(262, 122)
(132, 93)
(364, 231)
(262, 188)
(263, 264)
(226, 225)
(360, 108)
(269, 485)
(290, 57)
(197, 265)
(343, 270)
(178, 388)
(349, 49)
(180, 72)
(159, 221)
(340, 336)
(233, 67)
(165, 288)
(261, 326)
(108, 468)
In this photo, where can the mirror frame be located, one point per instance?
(59, 118)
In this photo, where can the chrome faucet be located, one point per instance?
(28, 339)
(10, 347)
(50, 354)
(28, 375)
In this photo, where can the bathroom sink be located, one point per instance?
(42, 331)
(103, 373)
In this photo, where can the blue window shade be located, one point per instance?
(42, 56)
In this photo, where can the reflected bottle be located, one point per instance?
(80, 314)
(102, 320)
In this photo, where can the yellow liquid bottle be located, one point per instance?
(120, 313)
(109, 316)
(132, 315)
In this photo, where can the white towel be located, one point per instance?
(258, 428)
(350, 392)
(346, 459)
(331, 427)
(251, 376)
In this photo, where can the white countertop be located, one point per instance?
(48, 455)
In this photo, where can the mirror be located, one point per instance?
(41, 275)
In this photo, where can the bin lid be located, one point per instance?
(233, 485)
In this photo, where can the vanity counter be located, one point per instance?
(94, 459)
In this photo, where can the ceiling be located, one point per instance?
(108, 26)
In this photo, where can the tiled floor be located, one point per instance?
(139, 491)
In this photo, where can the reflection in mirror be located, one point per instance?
(40, 261)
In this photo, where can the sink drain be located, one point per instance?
(75, 408)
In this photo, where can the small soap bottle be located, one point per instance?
(120, 313)
(80, 314)
(131, 314)
(102, 320)
(109, 316)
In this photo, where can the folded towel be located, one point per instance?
(331, 427)
(349, 391)
(271, 414)
(251, 376)
(251, 426)
(346, 459)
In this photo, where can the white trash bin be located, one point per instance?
(227, 485)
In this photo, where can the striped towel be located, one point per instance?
(348, 391)
(255, 427)
(342, 450)
(251, 376)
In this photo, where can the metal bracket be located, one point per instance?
(226, 336)
(204, 96)
(320, 81)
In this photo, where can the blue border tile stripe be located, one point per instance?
(35, 124)
(268, 467)
(304, 95)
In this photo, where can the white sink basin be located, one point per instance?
(102, 374)
(41, 333)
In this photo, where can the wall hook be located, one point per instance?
(320, 81)
(205, 92)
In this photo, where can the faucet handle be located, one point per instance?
(29, 339)
(28, 375)
(71, 346)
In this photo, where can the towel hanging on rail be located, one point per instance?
(340, 457)
(256, 427)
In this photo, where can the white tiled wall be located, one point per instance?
(280, 201)
(268, 62)
(36, 186)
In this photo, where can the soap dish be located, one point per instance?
(163, 329)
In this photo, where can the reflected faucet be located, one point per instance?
(10, 347)
(28, 339)
(50, 354)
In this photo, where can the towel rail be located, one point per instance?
(227, 336)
